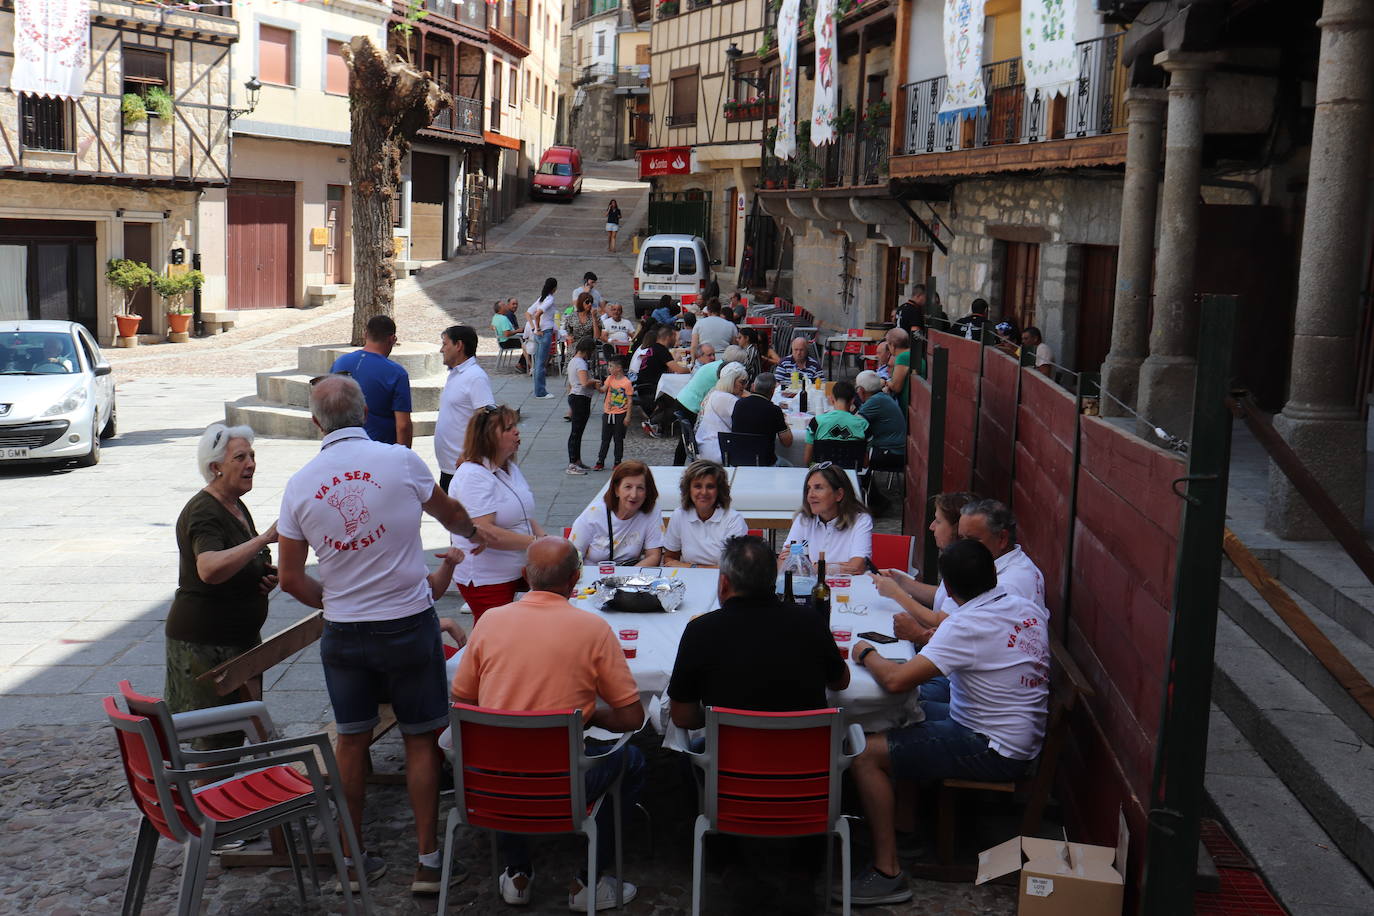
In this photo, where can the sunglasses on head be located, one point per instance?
(319, 378)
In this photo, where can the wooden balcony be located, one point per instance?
(463, 120)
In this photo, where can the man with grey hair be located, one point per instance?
(541, 652)
(358, 504)
(757, 414)
(886, 422)
(991, 523)
(899, 342)
(718, 662)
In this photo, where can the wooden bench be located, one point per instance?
(1067, 686)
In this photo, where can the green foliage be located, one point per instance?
(128, 277)
(414, 12)
(173, 289)
(766, 44)
(844, 121)
(133, 108)
(159, 102)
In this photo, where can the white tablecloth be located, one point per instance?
(670, 383)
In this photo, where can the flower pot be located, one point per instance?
(178, 323)
(128, 324)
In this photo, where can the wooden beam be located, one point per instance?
(276, 648)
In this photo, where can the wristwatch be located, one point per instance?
(864, 654)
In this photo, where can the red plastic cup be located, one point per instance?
(606, 568)
(841, 634)
(838, 581)
(629, 634)
(630, 651)
(844, 651)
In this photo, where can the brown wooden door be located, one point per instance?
(428, 206)
(1096, 295)
(261, 240)
(138, 246)
(1020, 278)
(641, 120)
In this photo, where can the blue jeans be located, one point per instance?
(515, 848)
(543, 343)
(940, 748)
(936, 690)
(400, 662)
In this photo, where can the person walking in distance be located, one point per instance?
(619, 394)
(543, 324)
(358, 504)
(612, 224)
(466, 389)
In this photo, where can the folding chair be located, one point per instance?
(686, 434)
(838, 452)
(508, 355)
(522, 772)
(775, 774)
(258, 787)
(892, 551)
(742, 449)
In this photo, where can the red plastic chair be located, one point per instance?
(892, 551)
(755, 320)
(774, 774)
(522, 772)
(870, 356)
(755, 532)
(567, 533)
(259, 787)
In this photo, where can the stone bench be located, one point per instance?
(217, 322)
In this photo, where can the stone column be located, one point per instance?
(1136, 256)
(1168, 373)
(1322, 420)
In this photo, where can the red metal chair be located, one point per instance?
(754, 320)
(870, 356)
(775, 774)
(522, 772)
(755, 532)
(892, 551)
(259, 787)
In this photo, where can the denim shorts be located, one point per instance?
(400, 662)
(940, 748)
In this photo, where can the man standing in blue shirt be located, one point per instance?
(385, 384)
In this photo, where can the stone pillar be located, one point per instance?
(1168, 373)
(1136, 256)
(1322, 420)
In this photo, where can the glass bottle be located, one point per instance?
(820, 595)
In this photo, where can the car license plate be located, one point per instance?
(655, 287)
(13, 452)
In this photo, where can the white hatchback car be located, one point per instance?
(57, 393)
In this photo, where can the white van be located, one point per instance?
(671, 265)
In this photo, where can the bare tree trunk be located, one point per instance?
(390, 101)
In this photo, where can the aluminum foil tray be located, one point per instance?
(669, 591)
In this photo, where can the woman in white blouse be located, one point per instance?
(832, 521)
(697, 531)
(718, 408)
(501, 504)
(636, 534)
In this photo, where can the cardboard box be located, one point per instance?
(1059, 878)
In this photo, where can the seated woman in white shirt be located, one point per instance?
(718, 408)
(832, 521)
(697, 531)
(636, 534)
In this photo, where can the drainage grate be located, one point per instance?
(1224, 851)
(1243, 893)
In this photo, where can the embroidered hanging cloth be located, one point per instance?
(786, 145)
(1047, 52)
(51, 47)
(963, 34)
(826, 103)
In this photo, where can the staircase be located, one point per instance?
(281, 407)
(1291, 755)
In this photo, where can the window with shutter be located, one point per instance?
(335, 70)
(276, 53)
(46, 124)
(684, 95)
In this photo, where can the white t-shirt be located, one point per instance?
(996, 652)
(840, 546)
(466, 389)
(717, 331)
(358, 505)
(634, 536)
(576, 365)
(1043, 355)
(1020, 577)
(618, 331)
(702, 542)
(717, 412)
(486, 491)
(547, 309)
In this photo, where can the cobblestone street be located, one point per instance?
(90, 567)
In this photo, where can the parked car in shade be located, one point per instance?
(57, 393)
(559, 174)
(674, 265)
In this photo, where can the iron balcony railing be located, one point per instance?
(1094, 106)
(585, 9)
(464, 117)
(469, 12)
(632, 77)
(595, 73)
(46, 124)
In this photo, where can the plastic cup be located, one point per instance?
(629, 635)
(844, 650)
(606, 568)
(841, 595)
(630, 650)
(842, 634)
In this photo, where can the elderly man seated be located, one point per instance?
(542, 653)
(995, 652)
(799, 360)
(886, 422)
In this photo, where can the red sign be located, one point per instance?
(670, 160)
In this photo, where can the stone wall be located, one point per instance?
(816, 282)
(592, 125)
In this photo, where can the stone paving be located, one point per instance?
(89, 568)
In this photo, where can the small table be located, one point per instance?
(835, 345)
(672, 383)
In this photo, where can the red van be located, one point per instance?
(559, 174)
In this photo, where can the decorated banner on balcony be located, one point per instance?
(1047, 52)
(785, 147)
(963, 34)
(826, 103)
(51, 47)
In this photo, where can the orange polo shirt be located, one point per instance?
(541, 653)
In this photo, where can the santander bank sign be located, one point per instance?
(668, 160)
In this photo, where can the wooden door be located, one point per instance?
(261, 240)
(1020, 278)
(428, 206)
(732, 223)
(336, 247)
(641, 119)
(1096, 296)
(138, 246)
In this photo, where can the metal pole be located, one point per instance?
(1176, 793)
(198, 323)
(935, 459)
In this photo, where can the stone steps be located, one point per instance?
(291, 388)
(283, 421)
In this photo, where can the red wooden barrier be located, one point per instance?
(996, 425)
(961, 408)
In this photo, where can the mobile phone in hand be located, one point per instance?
(881, 638)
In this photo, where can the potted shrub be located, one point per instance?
(766, 44)
(128, 277)
(731, 109)
(173, 290)
(667, 8)
(133, 109)
(158, 101)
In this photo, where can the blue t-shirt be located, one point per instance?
(663, 316)
(386, 387)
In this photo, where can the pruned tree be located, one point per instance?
(390, 100)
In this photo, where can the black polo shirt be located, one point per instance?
(758, 415)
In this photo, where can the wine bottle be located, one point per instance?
(801, 400)
(820, 595)
(787, 596)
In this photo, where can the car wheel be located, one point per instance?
(112, 425)
(92, 458)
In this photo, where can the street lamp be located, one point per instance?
(254, 87)
(733, 54)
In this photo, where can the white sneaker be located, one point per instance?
(516, 890)
(576, 470)
(605, 894)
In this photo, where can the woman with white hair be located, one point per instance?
(226, 574)
(718, 408)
